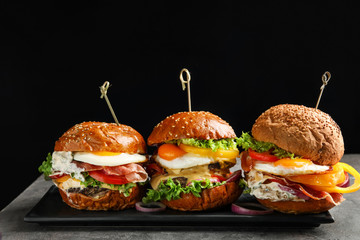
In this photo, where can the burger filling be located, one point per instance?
(94, 173)
(278, 175)
(190, 166)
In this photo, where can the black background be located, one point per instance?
(243, 58)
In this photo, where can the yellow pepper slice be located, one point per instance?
(219, 154)
(335, 189)
(329, 178)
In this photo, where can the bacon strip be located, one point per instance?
(87, 166)
(132, 172)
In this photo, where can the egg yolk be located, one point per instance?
(104, 153)
(170, 151)
(290, 163)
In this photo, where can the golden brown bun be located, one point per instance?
(305, 131)
(100, 136)
(309, 206)
(112, 200)
(199, 125)
(210, 198)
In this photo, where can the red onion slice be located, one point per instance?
(293, 191)
(346, 183)
(235, 176)
(150, 207)
(245, 209)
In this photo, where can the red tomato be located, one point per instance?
(265, 156)
(101, 176)
(221, 178)
(170, 151)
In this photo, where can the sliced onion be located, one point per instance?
(150, 207)
(346, 183)
(235, 176)
(293, 191)
(244, 209)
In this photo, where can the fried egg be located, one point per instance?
(185, 161)
(108, 158)
(290, 167)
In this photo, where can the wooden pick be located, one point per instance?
(183, 83)
(325, 79)
(103, 90)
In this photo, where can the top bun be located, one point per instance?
(100, 136)
(199, 125)
(301, 130)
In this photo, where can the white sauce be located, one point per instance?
(269, 191)
(61, 161)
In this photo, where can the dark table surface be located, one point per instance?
(12, 225)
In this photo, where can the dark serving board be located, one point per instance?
(51, 210)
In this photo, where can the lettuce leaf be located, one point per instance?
(225, 144)
(45, 167)
(170, 190)
(246, 141)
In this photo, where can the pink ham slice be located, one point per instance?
(334, 198)
(132, 172)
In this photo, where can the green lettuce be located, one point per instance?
(246, 141)
(225, 144)
(45, 167)
(170, 190)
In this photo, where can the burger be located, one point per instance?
(292, 160)
(98, 166)
(190, 167)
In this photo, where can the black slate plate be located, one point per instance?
(51, 210)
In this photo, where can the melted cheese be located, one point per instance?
(194, 173)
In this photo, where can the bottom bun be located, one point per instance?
(112, 200)
(210, 198)
(309, 206)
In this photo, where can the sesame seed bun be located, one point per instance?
(100, 136)
(199, 125)
(304, 131)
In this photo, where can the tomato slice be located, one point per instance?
(170, 151)
(265, 156)
(101, 176)
(221, 178)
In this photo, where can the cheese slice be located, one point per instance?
(194, 173)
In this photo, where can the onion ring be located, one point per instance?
(346, 183)
(240, 208)
(235, 176)
(150, 207)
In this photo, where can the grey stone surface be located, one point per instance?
(12, 226)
